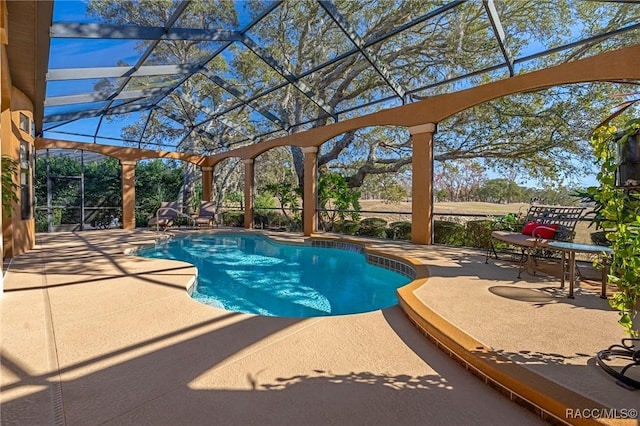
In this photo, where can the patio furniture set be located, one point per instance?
(168, 212)
(550, 229)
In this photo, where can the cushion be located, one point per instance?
(529, 227)
(545, 231)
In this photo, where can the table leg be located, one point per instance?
(572, 272)
(564, 268)
(605, 267)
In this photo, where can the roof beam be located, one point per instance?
(138, 66)
(289, 76)
(527, 58)
(201, 65)
(212, 115)
(494, 18)
(238, 95)
(418, 20)
(117, 72)
(133, 32)
(100, 96)
(371, 57)
(172, 20)
(188, 127)
(71, 116)
(588, 40)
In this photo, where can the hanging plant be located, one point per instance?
(9, 186)
(621, 215)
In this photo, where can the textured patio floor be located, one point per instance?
(92, 336)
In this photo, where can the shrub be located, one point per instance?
(478, 233)
(400, 230)
(450, 233)
(275, 218)
(260, 219)
(268, 219)
(142, 220)
(182, 221)
(294, 225)
(599, 238)
(509, 222)
(233, 218)
(373, 227)
(42, 223)
(348, 227)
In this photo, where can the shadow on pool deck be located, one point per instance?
(93, 336)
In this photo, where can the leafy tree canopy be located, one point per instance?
(544, 134)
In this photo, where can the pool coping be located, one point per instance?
(546, 398)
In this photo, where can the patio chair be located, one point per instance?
(165, 215)
(207, 214)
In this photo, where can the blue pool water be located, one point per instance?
(253, 274)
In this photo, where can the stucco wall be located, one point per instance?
(18, 235)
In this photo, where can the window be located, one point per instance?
(25, 123)
(26, 202)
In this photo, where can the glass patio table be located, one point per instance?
(572, 249)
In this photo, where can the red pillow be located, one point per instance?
(529, 227)
(546, 232)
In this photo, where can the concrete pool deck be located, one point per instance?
(93, 336)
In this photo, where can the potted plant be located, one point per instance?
(620, 215)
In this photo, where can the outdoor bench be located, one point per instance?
(542, 224)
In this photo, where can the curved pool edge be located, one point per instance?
(408, 267)
(132, 250)
(546, 398)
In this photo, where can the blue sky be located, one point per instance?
(70, 53)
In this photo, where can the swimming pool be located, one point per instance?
(253, 274)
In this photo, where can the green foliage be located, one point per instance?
(65, 187)
(389, 187)
(102, 183)
(142, 220)
(102, 188)
(621, 215)
(294, 225)
(373, 227)
(400, 230)
(348, 227)
(233, 218)
(264, 201)
(42, 224)
(157, 181)
(509, 222)
(235, 197)
(500, 190)
(478, 233)
(9, 186)
(288, 194)
(335, 198)
(182, 221)
(271, 219)
(599, 238)
(589, 196)
(262, 205)
(450, 233)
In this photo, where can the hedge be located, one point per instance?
(373, 227)
(450, 233)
